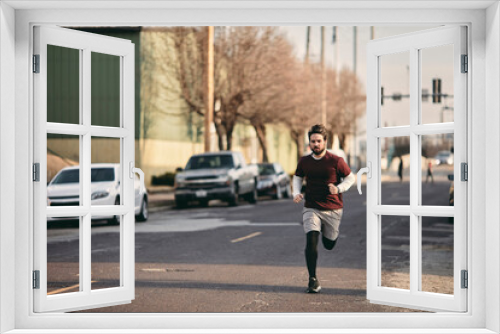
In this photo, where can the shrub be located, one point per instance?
(166, 179)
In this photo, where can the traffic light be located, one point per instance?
(436, 90)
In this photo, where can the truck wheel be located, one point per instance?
(234, 201)
(252, 197)
(180, 204)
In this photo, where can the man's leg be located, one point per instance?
(330, 228)
(328, 243)
(311, 252)
(312, 227)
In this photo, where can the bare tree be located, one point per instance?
(271, 84)
(349, 105)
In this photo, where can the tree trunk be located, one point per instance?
(299, 142)
(342, 139)
(329, 140)
(229, 139)
(220, 136)
(260, 129)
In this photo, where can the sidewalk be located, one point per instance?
(160, 197)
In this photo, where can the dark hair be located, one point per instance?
(320, 129)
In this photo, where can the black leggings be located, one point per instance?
(311, 251)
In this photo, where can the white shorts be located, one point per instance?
(327, 222)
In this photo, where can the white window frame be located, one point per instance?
(413, 44)
(484, 50)
(123, 50)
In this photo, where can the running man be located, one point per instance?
(323, 206)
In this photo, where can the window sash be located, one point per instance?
(85, 43)
(475, 17)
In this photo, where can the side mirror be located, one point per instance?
(179, 169)
(451, 177)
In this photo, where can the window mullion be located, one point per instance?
(414, 168)
(85, 159)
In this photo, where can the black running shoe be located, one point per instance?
(314, 286)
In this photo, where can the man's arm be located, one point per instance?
(297, 187)
(347, 183)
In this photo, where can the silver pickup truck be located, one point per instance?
(220, 175)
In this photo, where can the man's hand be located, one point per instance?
(333, 189)
(298, 198)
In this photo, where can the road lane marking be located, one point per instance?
(275, 224)
(247, 237)
(65, 289)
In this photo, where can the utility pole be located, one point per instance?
(308, 42)
(209, 87)
(335, 41)
(354, 48)
(323, 77)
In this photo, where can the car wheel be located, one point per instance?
(144, 213)
(279, 192)
(116, 219)
(234, 201)
(288, 191)
(252, 197)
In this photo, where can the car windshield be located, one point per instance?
(212, 161)
(97, 175)
(67, 176)
(267, 169)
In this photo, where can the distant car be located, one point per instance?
(64, 190)
(216, 175)
(444, 158)
(273, 181)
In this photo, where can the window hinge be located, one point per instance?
(465, 171)
(36, 172)
(465, 279)
(36, 279)
(36, 63)
(465, 64)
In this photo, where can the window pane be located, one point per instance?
(105, 246)
(395, 170)
(437, 84)
(437, 169)
(105, 175)
(395, 83)
(395, 252)
(63, 170)
(105, 89)
(437, 254)
(63, 255)
(63, 85)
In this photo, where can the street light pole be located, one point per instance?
(323, 77)
(209, 87)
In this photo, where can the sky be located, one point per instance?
(395, 73)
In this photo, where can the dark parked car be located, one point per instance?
(273, 181)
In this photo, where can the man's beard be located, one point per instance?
(319, 151)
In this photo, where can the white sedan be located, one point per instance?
(64, 190)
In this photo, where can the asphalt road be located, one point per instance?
(250, 258)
